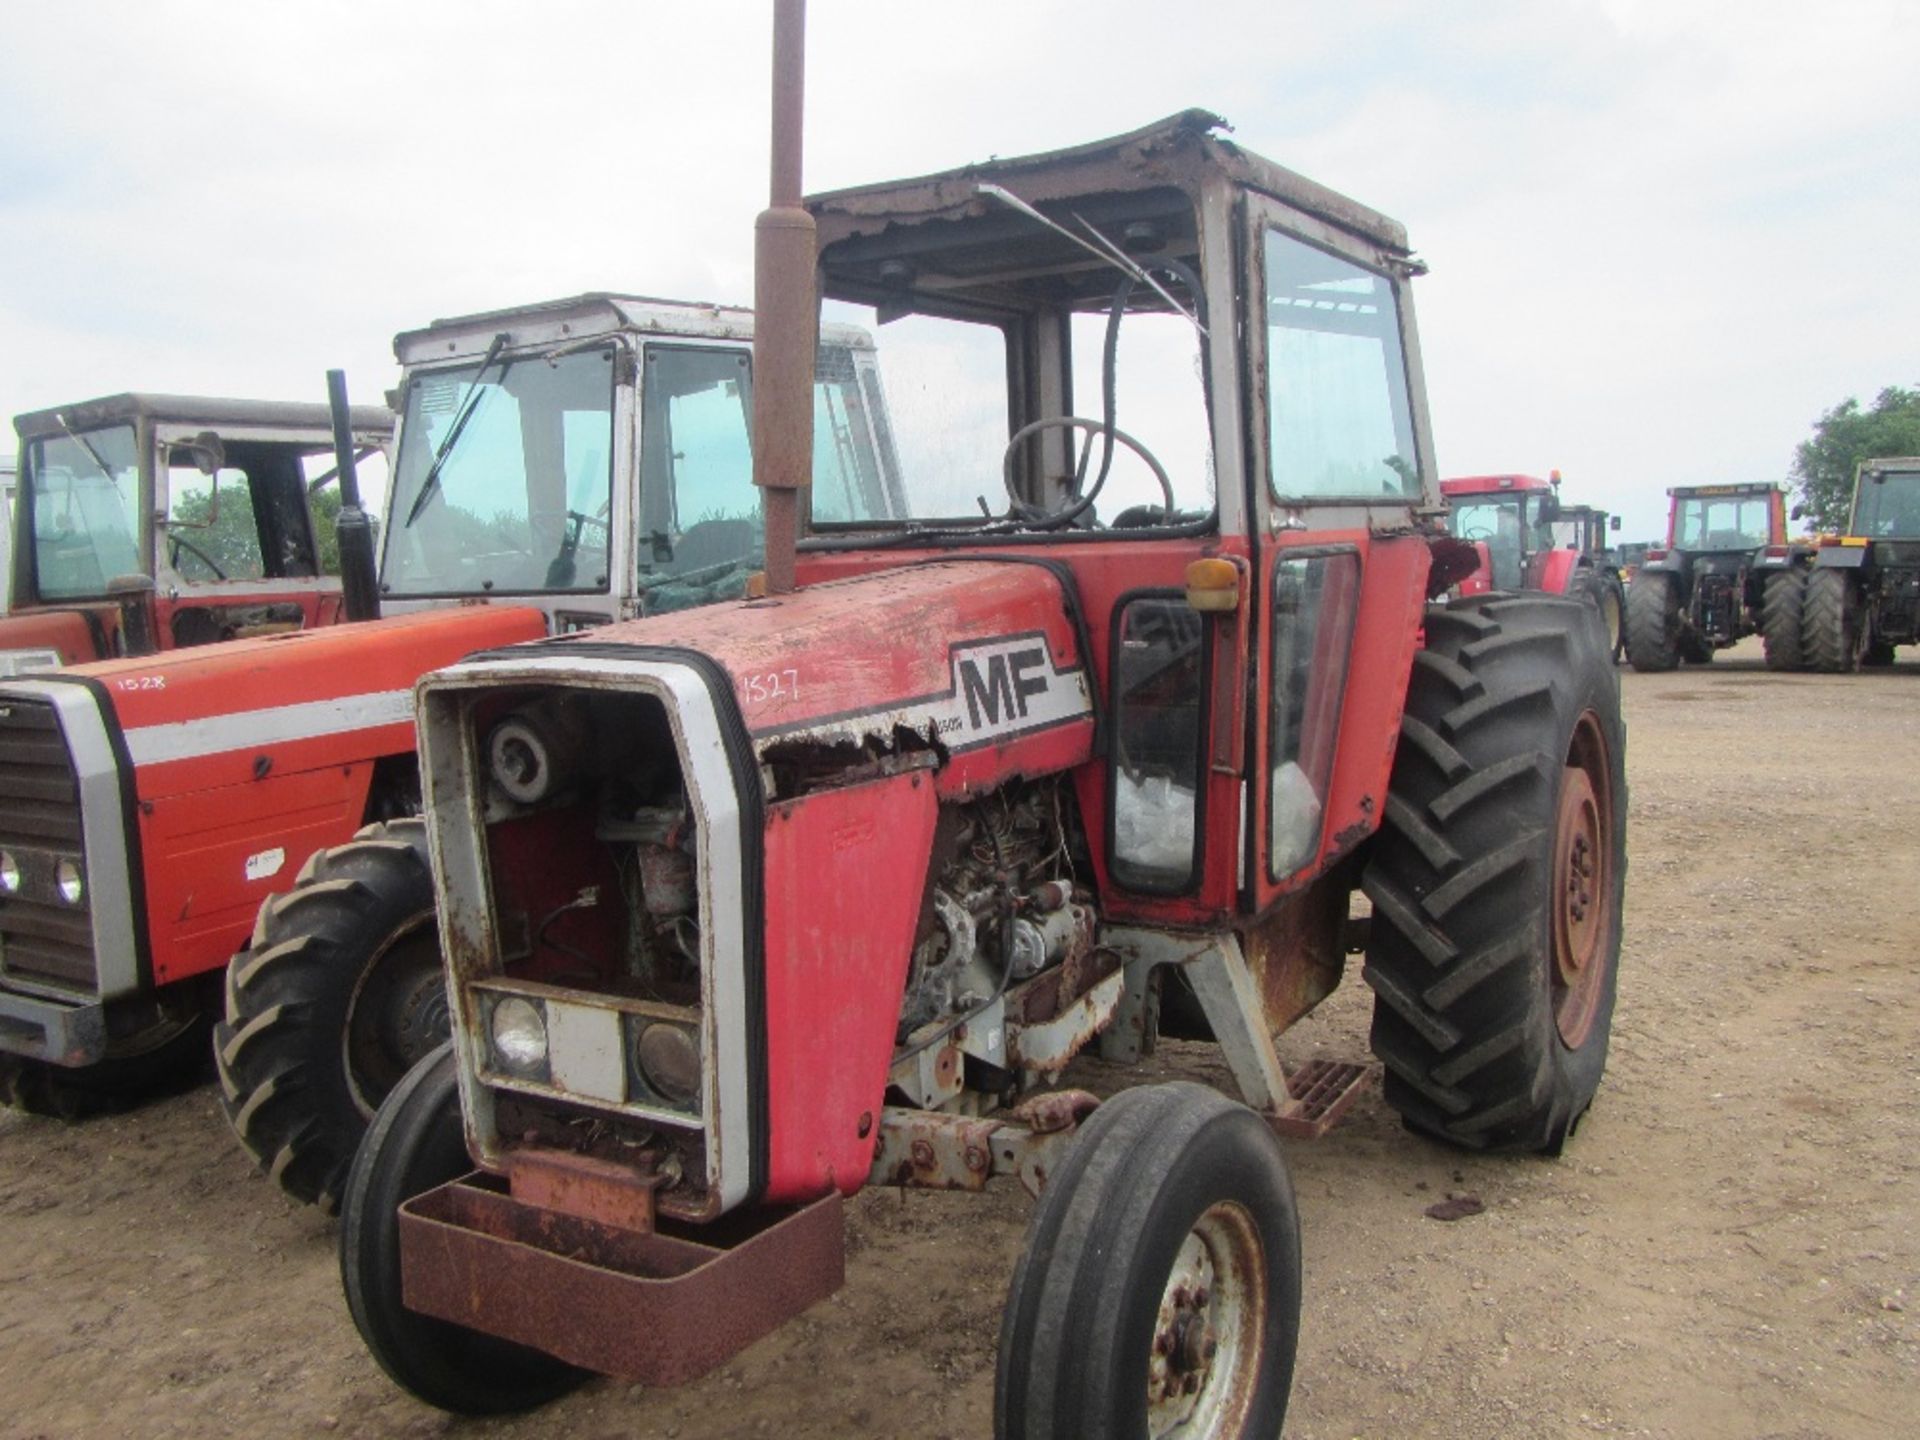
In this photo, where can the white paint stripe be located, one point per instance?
(252, 729)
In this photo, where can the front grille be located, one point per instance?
(42, 937)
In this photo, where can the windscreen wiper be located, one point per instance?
(431, 485)
(86, 445)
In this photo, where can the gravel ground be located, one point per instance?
(1730, 1247)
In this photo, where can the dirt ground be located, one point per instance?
(1729, 1248)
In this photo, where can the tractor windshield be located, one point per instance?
(1721, 522)
(521, 465)
(84, 494)
(1888, 505)
(1038, 376)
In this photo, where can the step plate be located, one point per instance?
(1321, 1092)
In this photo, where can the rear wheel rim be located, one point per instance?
(1204, 1366)
(398, 1014)
(1610, 613)
(1582, 905)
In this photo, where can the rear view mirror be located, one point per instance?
(1799, 512)
(1613, 523)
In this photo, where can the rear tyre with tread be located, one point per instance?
(338, 994)
(1830, 621)
(1781, 600)
(1164, 1252)
(1497, 877)
(415, 1144)
(1601, 589)
(1653, 622)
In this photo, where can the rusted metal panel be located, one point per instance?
(596, 1190)
(933, 1151)
(642, 1306)
(1045, 1049)
(1295, 954)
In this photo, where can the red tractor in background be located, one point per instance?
(746, 911)
(1726, 571)
(145, 523)
(1528, 540)
(559, 467)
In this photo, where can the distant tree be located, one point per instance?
(213, 538)
(1824, 465)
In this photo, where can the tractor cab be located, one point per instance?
(155, 522)
(592, 456)
(1584, 530)
(1726, 519)
(1513, 516)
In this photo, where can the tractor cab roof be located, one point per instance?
(1684, 492)
(1493, 484)
(207, 411)
(583, 318)
(1152, 178)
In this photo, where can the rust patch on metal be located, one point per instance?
(659, 1308)
(1297, 952)
(1055, 1110)
(1319, 1093)
(597, 1190)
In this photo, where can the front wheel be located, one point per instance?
(1159, 1290)
(155, 1046)
(1497, 877)
(337, 996)
(415, 1144)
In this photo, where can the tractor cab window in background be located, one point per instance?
(1889, 505)
(237, 510)
(84, 494)
(323, 497)
(1722, 522)
(1498, 520)
(504, 478)
(1341, 424)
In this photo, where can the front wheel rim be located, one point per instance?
(1582, 904)
(1204, 1366)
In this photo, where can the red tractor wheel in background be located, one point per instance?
(1497, 876)
(1159, 1289)
(339, 994)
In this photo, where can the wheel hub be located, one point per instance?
(399, 1013)
(1583, 892)
(1206, 1334)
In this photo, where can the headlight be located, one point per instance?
(519, 1035)
(667, 1060)
(9, 873)
(66, 876)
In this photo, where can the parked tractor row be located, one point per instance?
(703, 904)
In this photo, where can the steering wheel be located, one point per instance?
(1481, 531)
(175, 545)
(1079, 506)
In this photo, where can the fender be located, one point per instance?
(1553, 570)
(1841, 557)
(1481, 580)
(77, 634)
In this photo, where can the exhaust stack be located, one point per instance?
(359, 575)
(784, 312)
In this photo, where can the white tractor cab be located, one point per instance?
(147, 522)
(514, 426)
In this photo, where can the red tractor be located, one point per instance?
(1726, 571)
(156, 522)
(748, 910)
(1529, 541)
(558, 467)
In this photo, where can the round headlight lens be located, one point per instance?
(670, 1063)
(66, 876)
(9, 873)
(519, 1035)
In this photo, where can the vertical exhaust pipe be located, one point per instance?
(784, 313)
(359, 577)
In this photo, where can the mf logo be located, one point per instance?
(997, 685)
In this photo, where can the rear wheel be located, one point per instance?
(1497, 877)
(1653, 621)
(1159, 1290)
(155, 1046)
(1830, 621)
(1601, 589)
(1781, 602)
(338, 995)
(414, 1144)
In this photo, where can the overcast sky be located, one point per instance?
(1665, 234)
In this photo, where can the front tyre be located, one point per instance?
(414, 1144)
(156, 1046)
(1497, 877)
(1159, 1290)
(337, 996)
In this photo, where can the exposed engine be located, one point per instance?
(1002, 908)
